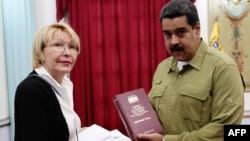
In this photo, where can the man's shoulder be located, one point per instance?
(215, 55)
(167, 61)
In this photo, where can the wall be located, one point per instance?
(45, 12)
(202, 7)
(4, 109)
(246, 118)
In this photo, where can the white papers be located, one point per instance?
(117, 136)
(98, 133)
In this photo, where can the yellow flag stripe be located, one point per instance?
(214, 37)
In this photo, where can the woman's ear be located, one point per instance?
(42, 61)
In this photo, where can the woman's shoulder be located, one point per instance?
(33, 85)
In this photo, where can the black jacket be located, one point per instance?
(38, 115)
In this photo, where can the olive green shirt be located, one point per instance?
(195, 103)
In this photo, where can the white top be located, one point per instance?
(181, 64)
(65, 98)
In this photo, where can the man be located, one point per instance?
(197, 90)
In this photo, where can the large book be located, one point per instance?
(137, 113)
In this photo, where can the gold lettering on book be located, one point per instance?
(138, 110)
(141, 120)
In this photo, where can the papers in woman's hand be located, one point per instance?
(98, 133)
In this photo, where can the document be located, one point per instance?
(98, 133)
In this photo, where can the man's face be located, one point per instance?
(181, 40)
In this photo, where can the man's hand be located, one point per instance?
(150, 137)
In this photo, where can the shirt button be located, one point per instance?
(170, 110)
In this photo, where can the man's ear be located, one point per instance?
(197, 28)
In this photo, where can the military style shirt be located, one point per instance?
(193, 104)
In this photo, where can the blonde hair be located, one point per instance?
(45, 35)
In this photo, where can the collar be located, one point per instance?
(45, 74)
(196, 61)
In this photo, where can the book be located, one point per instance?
(137, 113)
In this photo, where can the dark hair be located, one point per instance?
(178, 8)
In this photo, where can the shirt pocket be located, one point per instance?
(156, 93)
(195, 103)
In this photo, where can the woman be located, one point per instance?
(44, 100)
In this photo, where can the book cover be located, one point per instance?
(137, 113)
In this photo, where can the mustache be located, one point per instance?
(176, 48)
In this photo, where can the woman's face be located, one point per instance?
(59, 56)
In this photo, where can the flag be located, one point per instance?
(214, 37)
